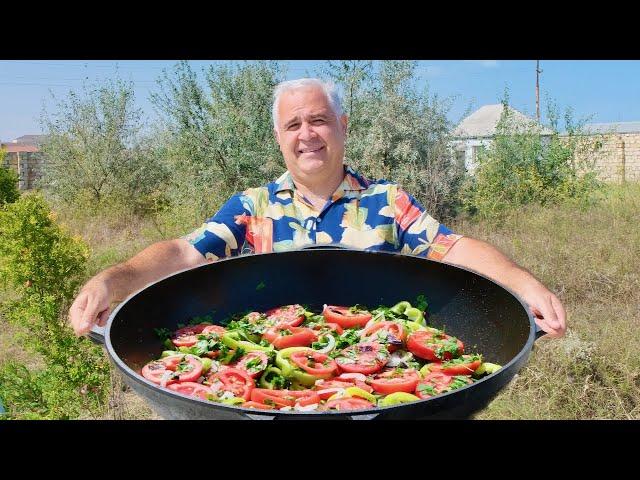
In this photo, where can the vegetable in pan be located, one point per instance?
(344, 358)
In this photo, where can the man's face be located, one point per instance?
(310, 135)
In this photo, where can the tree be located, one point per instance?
(95, 150)
(398, 132)
(218, 132)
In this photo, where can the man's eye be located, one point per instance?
(293, 126)
(318, 121)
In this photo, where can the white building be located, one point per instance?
(476, 131)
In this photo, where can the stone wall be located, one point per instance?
(618, 158)
(29, 169)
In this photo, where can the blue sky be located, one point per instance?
(600, 91)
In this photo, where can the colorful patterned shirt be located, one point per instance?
(361, 214)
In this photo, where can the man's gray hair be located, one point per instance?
(329, 88)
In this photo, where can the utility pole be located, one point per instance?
(538, 72)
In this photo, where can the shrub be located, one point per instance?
(524, 165)
(43, 265)
(9, 192)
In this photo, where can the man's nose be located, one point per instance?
(306, 131)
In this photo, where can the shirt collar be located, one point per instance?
(352, 182)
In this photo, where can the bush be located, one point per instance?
(524, 166)
(9, 192)
(43, 266)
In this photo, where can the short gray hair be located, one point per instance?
(329, 88)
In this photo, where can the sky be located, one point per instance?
(596, 91)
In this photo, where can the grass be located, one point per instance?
(588, 256)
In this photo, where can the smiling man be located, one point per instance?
(318, 200)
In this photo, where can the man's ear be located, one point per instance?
(276, 135)
(344, 120)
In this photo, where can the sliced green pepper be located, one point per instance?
(206, 364)
(232, 401)
(168, 353)
(232, 340)
(487, 368)
(415, 315)
(400, 307)
(272, 378)
(413, 326)
(396, 398)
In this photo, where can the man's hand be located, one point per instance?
(91, 306)
(547, 308)
(488, 260)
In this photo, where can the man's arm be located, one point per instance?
(114, 284)
(489, 261)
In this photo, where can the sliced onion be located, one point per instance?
(306, 408)
(330, 345)
(165, 377)
(358, 376)
(286, 408)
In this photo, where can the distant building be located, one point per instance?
(476, 131)
(24, 156)
(616, 159)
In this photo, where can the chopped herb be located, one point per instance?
(163, 333)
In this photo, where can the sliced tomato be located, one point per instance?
(465, 365)
(157, 372)
(254, 363)
(350, 403)
(315, 363)
(191, 388)
(292, 315)
(346, 318)
(438, 382)
(395, 380)
(284, 398)
(233, 380)
(327, 388)
(434, 346)
(282, 336)
(390, 333)
(261, 406)
(366, 357)
(188, 336)
(328, 327)
(217, 329)
(175, 368)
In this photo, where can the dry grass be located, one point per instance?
(590, 257)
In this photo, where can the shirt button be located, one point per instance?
(318, 220)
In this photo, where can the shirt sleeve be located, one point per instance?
(222, 235)
(418, 232)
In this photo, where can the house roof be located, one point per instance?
(36, 140)
(615, 127)
(483, 122)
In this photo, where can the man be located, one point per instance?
(318, 200)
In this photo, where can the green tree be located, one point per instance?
(217, 133)
(399, 132)
(95, 149)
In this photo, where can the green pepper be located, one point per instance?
(303, 378)
(270, 377)
(282, 359)
(168, 353)
(425, 370)
(169, 344)
(400, 307)
(206, 364)
(232, 340)
(231, 401)
(415, 315)
(487, 368)
(396, 398)
(357, 392)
